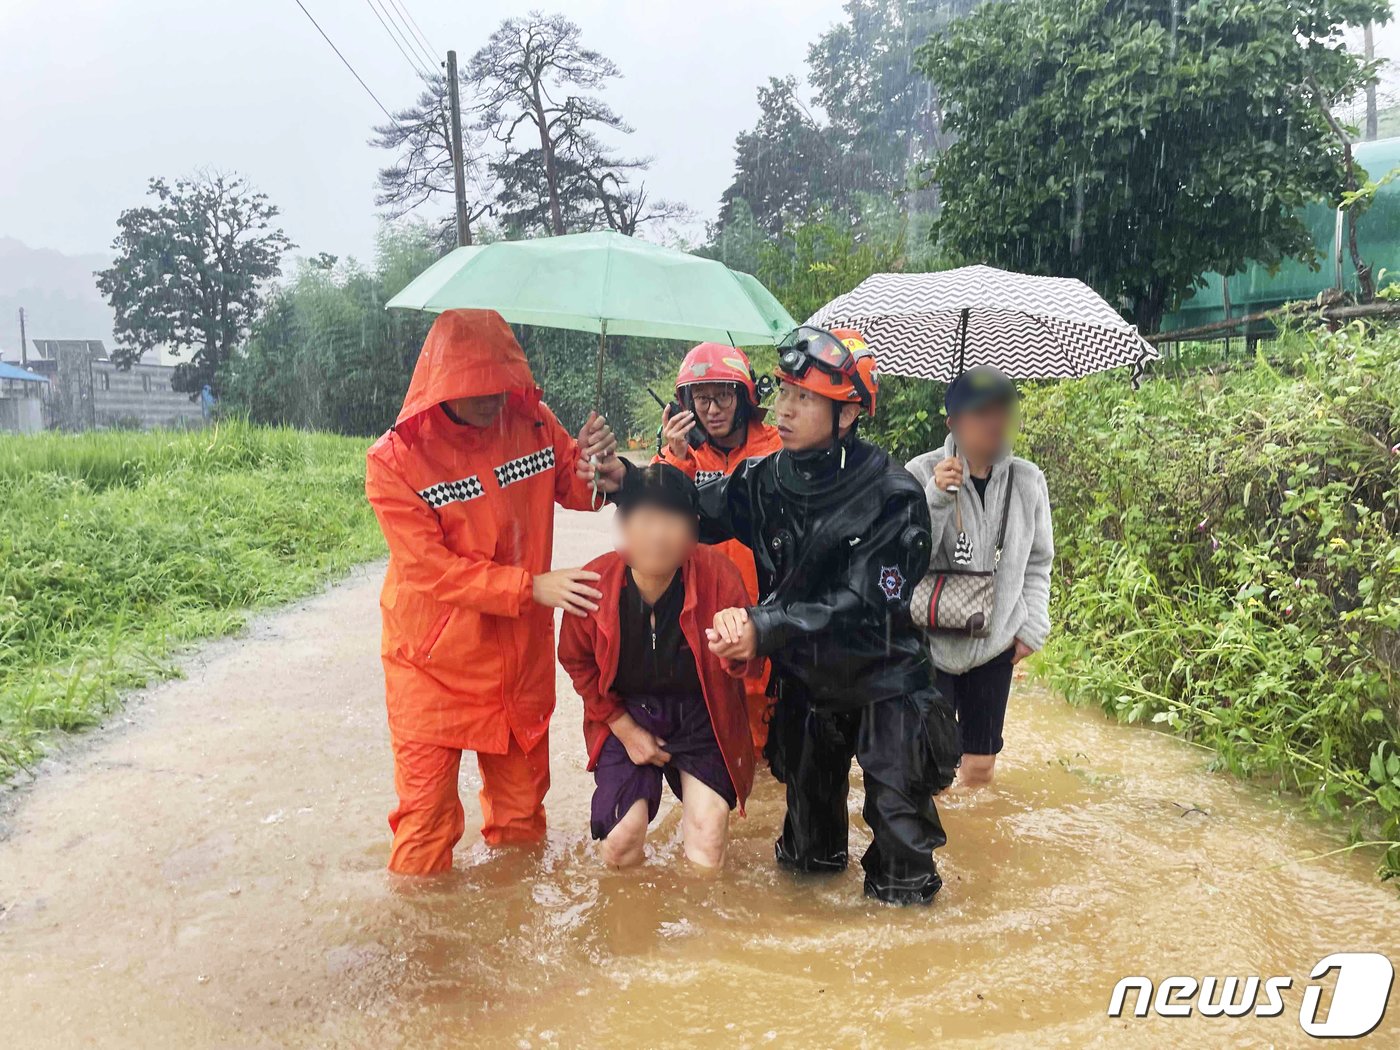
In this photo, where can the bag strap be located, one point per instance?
(1005, 511)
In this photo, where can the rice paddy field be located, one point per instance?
(118, 549)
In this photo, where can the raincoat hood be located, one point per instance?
(468, 353)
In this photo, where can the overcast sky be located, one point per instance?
(99, 96)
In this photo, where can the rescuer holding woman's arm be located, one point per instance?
(839, 534)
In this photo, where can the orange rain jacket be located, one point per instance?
(590, 646)
(469, 515)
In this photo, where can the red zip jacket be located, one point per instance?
(589, 648)
(709, 462)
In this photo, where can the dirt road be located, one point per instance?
(208, 872)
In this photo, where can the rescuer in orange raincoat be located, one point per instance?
(720, 426)
(464, 486)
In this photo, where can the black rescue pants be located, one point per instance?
(908, 750)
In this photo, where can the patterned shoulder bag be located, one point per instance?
(959, 601)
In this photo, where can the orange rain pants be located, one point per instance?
(429, 820)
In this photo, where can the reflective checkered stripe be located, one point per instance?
(525, 467)
(704, 477)
(445, 492)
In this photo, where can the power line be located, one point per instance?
(395, 37)
(412, 32)
(348, 66)
(428, 50)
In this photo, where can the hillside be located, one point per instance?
(58, 294)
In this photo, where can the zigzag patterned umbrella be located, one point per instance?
(935, 325)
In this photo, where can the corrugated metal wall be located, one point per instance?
(141, 397)
(85, 393)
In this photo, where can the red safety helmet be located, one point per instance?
(836, 364)
(717, 363)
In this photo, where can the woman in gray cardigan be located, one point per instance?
(971, 472)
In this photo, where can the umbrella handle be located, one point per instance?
(596, 500)
(598, 375)
(962, 341)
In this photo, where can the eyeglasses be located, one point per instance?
(723, 399)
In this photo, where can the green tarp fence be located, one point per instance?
(1256, 290)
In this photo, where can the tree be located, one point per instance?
(788, 168)
(421, 172)
(814, 262)
(880, 123)
(1137, 145)
(534, 82)
(591, 192)
(190, 272)
(324, 353)
(883, 111)
(737, 240)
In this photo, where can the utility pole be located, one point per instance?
(23, 342)
(1372, 117)
(464, 232)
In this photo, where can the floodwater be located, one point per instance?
(208, 873)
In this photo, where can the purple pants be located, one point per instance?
(684, 723)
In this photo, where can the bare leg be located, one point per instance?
(976, 770)
(704, 823)
(624, 846)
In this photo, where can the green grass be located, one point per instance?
(117, 549)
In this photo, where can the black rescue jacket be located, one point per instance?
(838, 551)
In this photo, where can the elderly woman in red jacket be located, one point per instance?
(658, 704)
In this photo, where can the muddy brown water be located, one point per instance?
(208, 872)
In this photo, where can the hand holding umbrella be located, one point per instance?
(598, 462)
(948, 475)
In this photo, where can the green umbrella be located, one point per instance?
(606, 283)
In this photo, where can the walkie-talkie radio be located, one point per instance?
(695, 436)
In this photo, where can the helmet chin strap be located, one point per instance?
(836, 434)
(741, 412)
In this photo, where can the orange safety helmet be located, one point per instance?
(717, 363)
(836, 364)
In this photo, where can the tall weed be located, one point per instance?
(1228, 563)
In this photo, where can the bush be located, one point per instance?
(1229, 564)
(908, 417)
